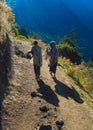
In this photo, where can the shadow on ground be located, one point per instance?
(66, 91)
(5, 72)
(3, 93)
(47, 93)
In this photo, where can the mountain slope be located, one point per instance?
(21, 111)
(55, 18)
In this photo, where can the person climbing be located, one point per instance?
(53, 54)
(37, 58)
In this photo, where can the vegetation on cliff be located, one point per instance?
(15, 95)
(82, 74)
(68, 47)
(6, 19)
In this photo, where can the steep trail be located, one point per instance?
(58, 94)
(72, 109)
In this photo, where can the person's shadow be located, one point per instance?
(66, 91)
(47, 93)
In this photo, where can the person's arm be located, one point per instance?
(47, 53)
(29, 53)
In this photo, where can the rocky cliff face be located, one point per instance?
(6, 18)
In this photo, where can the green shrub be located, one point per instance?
(82, 73)
(21, 37)
(71, 72)
(90, 63)
(15, 29)
(70, 52)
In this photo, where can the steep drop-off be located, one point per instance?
(54, 18)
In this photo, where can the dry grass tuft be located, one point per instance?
(82, 74)
(6, 19)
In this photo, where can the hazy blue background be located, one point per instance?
(56, 17)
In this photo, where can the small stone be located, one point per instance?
(55, 116)
(45, 127)
(44, 116)
(44, 109)
(49, 114)
(55, 109)
(39, 100)
(59, 123)
(33, 94)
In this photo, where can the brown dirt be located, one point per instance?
(22, 112)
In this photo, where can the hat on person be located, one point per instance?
(52, 43)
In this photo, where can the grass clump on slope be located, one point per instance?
(82, 74)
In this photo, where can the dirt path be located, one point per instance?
(57, 94)
(75, 113)
(72, 109)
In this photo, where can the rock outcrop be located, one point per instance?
(6, 19)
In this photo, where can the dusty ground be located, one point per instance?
(22, 112)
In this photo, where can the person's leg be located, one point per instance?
(54, 68)
(38, 71)
(35, 70)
